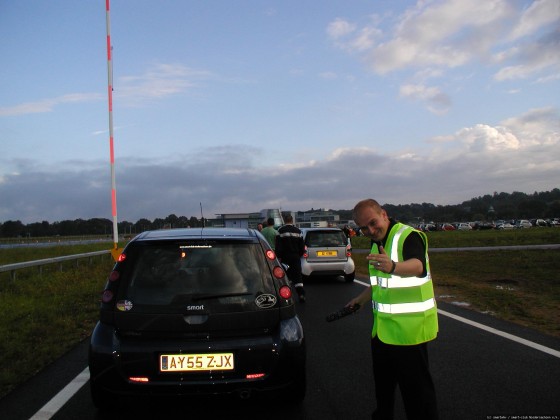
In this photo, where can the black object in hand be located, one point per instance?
(347, 310)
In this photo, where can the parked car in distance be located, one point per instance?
(193, 312)
(523, 224)
(463, 226)
(504, 225)
(327, 253)
(447, 226)
(484, 225)
(539, 222)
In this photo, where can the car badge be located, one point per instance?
(124, 305)
(265, 301)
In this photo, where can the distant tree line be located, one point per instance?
(490, 207)
(517, 205)
(97, 226)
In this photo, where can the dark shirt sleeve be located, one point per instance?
(414, 247)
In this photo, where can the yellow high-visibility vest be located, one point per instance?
(404, 308)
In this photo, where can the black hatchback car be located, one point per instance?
(197, 312)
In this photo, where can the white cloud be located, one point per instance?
(540, 13)
(533, 130)
(159, 81)
(437, 101)
(484, 138)
(535, 57)
(537, 126)
(521, 151)
(48, 105)
(328, 75)
(340, 28)
(437, 36)
(346, 36)
(438, 33)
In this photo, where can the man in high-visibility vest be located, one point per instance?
(404, 312)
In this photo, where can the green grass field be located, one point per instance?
(43, 315)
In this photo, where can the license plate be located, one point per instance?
(195, 362)
(326, 253)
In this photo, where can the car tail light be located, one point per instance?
(121, 258)
(114, 276)
(107, 296)
(286, 292)
(270, 254)
(348, 251)
(278, 272)
(305, 253)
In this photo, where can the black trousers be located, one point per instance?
(407, 367)
(294, 268)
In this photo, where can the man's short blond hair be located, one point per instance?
(368, 202)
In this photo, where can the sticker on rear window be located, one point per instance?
(124, 305)
(265, 301)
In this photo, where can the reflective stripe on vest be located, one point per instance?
(396, 281)
(404, 308)
(290, 235)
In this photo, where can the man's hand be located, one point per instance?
(381, 261)
(361, 299)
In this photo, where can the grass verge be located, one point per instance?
(44, 316)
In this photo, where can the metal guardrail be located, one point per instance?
(478, 248)
(12, 268)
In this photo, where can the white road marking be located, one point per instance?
(512, 337)
(56, 403)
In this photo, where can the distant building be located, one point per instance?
(317, 218)
(246, 220)
(302, 219)
(276, 214)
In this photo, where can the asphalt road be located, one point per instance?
(478, 374)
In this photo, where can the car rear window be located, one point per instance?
(325, 238)
(166, 273)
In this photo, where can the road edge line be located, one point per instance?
(56, 403)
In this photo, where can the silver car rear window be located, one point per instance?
(325, 238)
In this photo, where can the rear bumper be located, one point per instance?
(327, 268)
(111, 368)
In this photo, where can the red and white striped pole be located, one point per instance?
(111, 140)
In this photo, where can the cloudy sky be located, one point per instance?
(245, 105)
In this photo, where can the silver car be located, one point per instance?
(327, 253)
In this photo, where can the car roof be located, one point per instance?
(196, 233)
(321, 229)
